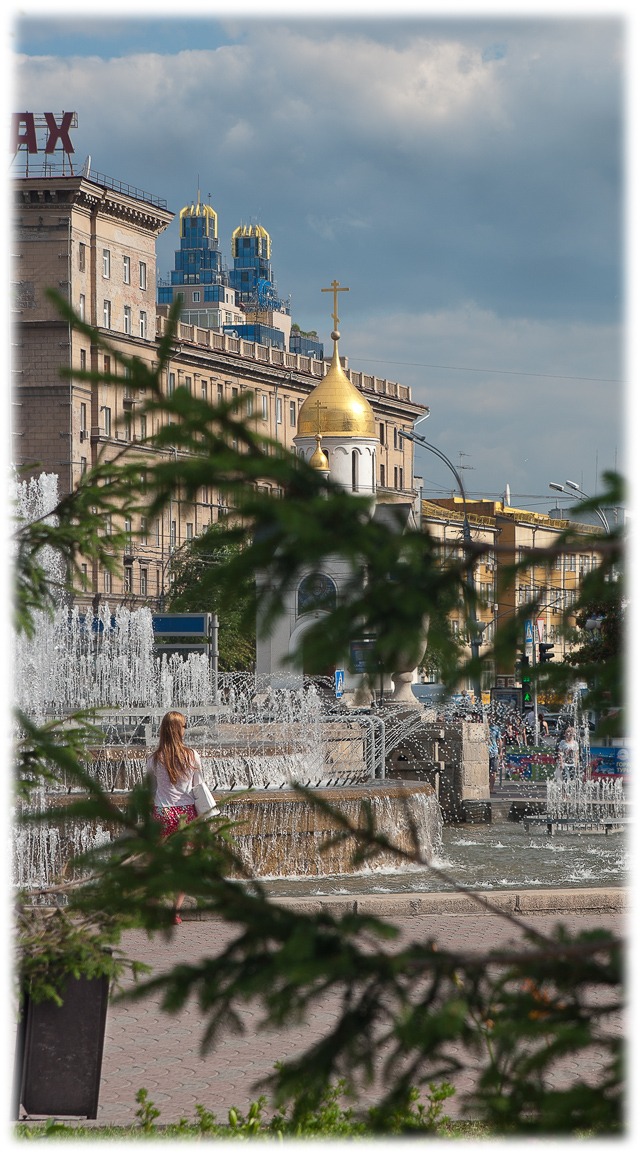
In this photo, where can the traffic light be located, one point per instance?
(525, 679)
(545, 652)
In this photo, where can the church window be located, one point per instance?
(316, 592)
(354, 470)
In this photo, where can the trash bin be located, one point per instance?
(59, 1051)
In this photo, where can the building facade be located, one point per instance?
(93, 239)
(510, 536)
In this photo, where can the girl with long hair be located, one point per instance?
(174, 769)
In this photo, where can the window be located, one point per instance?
(106, 314)
(171, 385)
(143, 323)
(354, 470)
(83, 466)
(265, 406)
(143, 427)
(401, 477)
(128, 580)
(82, 305)
(107, 363)
(144, 530)
(382, 441)
(106, 582)
(143, 275)
(144, 582)
(189, 531)
(196, 296)
(234, 391)
(106, 263)
(382, 475)
(85, 576)
(107, 421)
(127, 533)
(571, 561)
(292, 413)
(187, 384)
(220, 392)
(83, 417)
(249, 399)
(172, 535)
(127, 319)
(126, 270)
(395, 438)
(395, 477)
(83, 359)
(203, 389)
(279, 410)
(82, 256)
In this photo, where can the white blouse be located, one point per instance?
(168, 794)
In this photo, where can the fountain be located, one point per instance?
(254, 741)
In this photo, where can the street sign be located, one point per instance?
(528, 630)
(540, 625)
(339, 681)
(181, 624)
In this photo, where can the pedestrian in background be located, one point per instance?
(173, 770)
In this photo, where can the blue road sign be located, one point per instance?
(339, 680)
(528, 630)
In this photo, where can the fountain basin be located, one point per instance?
(279, 833)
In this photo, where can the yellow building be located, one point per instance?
(510, 535)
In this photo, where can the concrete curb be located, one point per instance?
(593, 900)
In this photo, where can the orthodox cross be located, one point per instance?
(317, 406)
(335, 288)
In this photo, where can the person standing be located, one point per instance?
(567, 765)
(173, 770)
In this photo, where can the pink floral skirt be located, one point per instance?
(173, 817)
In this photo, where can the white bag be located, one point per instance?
(205, 803)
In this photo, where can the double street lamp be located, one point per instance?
(574, 488)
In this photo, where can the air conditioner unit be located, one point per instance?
(96, 431)
(83, 435)
(128, 402)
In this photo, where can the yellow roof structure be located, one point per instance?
(197, 209)
(249, 231)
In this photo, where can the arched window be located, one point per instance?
(316, 592)
(354, 471)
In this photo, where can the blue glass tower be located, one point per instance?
(198, 260)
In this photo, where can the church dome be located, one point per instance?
(318, 459)
(335, 407)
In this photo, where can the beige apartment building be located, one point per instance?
(510, 535)
(93, 240)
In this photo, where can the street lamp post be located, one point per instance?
(573, 486)
(466, 537)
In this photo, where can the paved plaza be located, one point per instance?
(148, 1048)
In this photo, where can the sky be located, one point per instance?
(463, 174)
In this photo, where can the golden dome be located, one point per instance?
(318, 459)
(335, 407)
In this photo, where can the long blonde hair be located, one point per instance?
(177, 759)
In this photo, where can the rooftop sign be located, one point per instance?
(42, 132)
